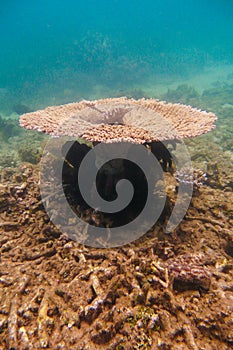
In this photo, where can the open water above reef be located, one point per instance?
(54, 52)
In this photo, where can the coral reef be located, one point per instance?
(20, 108)
(167, 291)
(189, 271)
(8, 128)
(195, 177)
(220, 95)
(27, 153)
(136, 121)
(116, 120)
(184, 94)
(17, 145)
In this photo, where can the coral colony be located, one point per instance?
(149, 122)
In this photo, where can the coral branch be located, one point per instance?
(13, 324)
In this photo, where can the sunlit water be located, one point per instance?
(54, 52)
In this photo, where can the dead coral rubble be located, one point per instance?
(57, 294)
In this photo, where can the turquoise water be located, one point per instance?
(54, 52)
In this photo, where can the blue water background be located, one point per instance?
(65, 49)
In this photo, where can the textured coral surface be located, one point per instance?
(165, 291)
(143, 120)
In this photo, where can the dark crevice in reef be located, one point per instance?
(107, 178)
